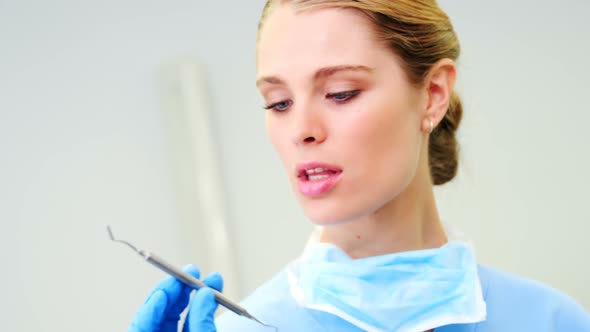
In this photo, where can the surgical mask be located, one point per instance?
(411, 291)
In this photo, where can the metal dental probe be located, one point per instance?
(188, 280)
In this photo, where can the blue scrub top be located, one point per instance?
(513, 304)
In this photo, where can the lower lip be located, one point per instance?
(318, 187)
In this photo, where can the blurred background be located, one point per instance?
(144, 115)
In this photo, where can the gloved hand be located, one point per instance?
(161, 311)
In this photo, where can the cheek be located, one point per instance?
(277, 137)
(273, 129)
(387, 138)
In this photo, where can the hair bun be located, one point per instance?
(443, 149)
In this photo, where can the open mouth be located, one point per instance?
(317, 179)
(316, 174)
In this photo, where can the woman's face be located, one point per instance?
(342, 116)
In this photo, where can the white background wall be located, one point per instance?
(83, 143)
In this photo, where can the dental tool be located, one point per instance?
(188, 280)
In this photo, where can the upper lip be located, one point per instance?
(302, 168)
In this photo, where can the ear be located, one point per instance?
(439, 85)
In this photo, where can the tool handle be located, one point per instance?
(193, 282)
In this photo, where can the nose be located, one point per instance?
(308, 127)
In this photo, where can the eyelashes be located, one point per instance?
(281, 106)
(341, 97)
(337, 97)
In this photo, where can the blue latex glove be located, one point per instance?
(161, 311)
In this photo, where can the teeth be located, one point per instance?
(315, 170)
(318, 177)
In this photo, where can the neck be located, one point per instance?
(409, 222)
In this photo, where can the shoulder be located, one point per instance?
(528, 305)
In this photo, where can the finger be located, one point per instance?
(149, 317)
(215, 281)
(179, 300)
(164, 305)
(201, 312)
(174, 288)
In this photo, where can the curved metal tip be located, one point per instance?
(110, 233)
(267, 325)
(271, 327)
(112, 237)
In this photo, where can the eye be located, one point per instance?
(281, 106)
(344, 96)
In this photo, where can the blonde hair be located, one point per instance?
(420, 34)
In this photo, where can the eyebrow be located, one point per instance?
(321, 73)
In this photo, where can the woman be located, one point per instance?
(362, 112)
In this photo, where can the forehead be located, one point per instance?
(300, 42)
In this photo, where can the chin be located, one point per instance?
(324, 213)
